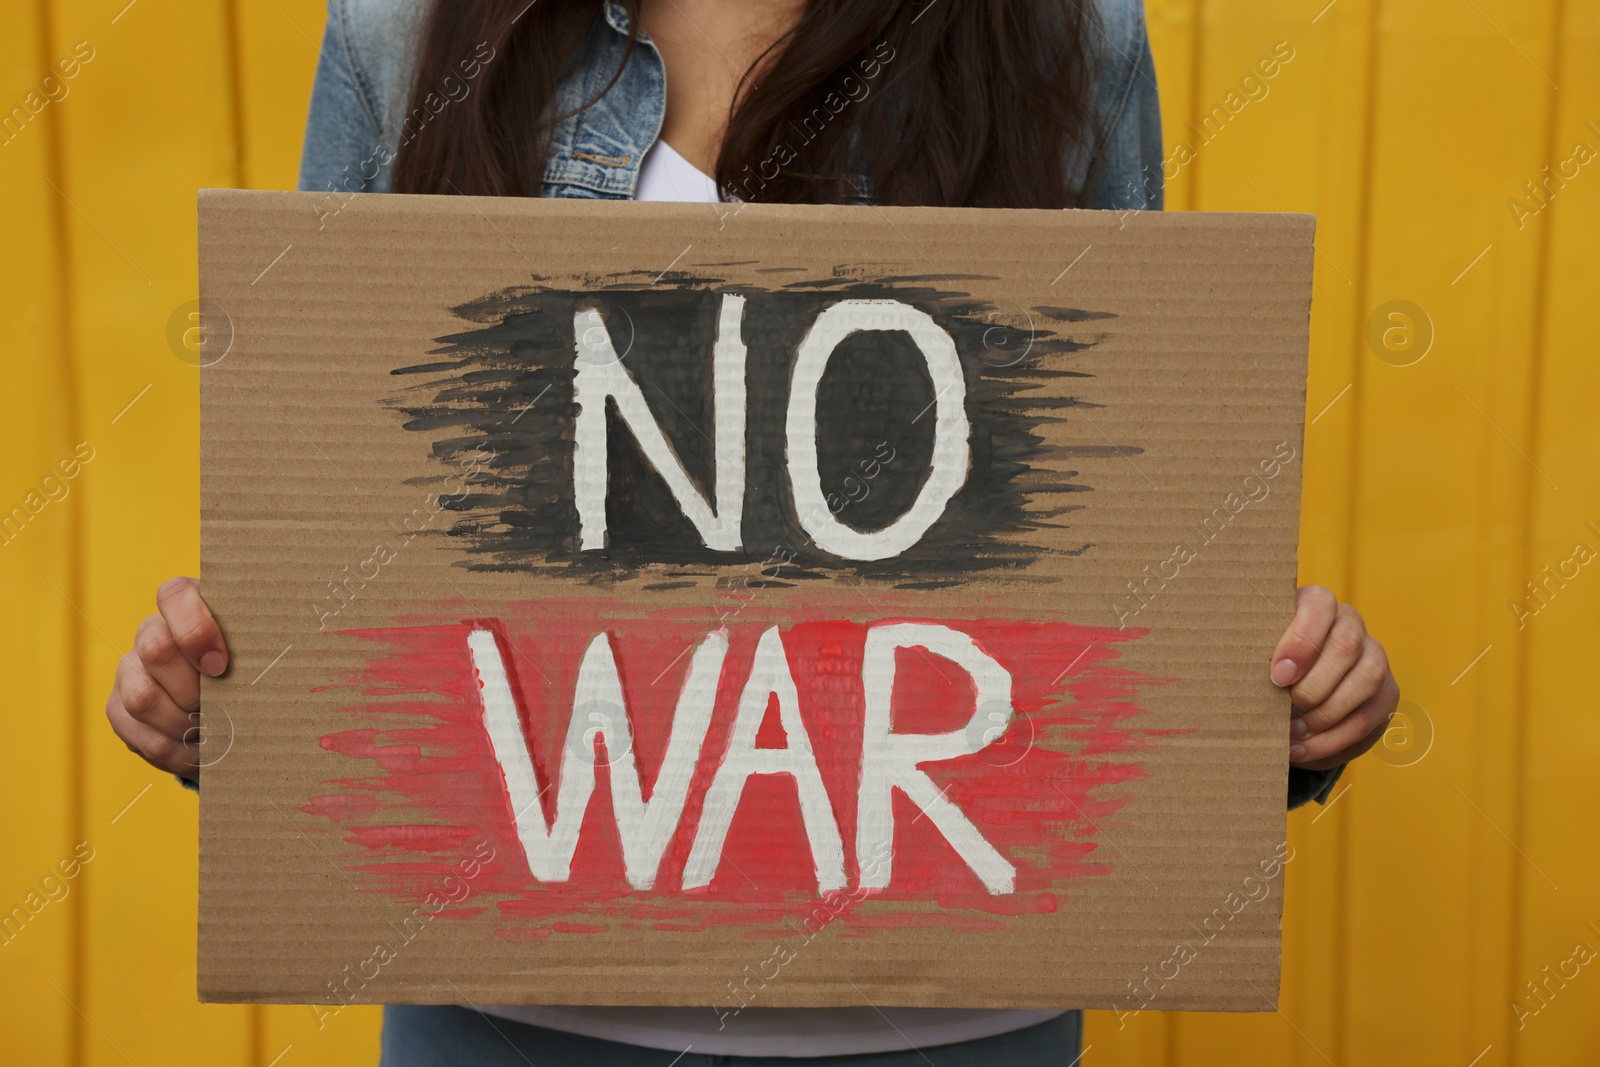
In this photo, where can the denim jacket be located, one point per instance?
(360, 100)
(361, 97)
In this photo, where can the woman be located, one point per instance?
(999, 103)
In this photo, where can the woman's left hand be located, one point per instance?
(1339, 679)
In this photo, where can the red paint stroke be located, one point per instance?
(433, 788)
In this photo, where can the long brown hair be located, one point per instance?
(970, 102)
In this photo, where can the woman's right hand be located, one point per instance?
(155, 701)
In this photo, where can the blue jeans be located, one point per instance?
(416, 1035)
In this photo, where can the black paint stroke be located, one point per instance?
(505, 386)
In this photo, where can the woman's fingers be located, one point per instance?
(161, 659)
(192, 627)
(169, 753)
(1359, 683)
(1343, 691)
(148, 701)
(157, 688)
(1353, 735)
(1314, 611)
(1341, 650)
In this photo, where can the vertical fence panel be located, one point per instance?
(1442, 484)
(1174, 28)
(1551, 997)
(40, 509)
(277, 46)
(151, 122)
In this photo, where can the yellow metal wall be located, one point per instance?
(1419, 904)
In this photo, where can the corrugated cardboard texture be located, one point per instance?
(387, 455)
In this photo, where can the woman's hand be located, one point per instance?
(1343, 691)
(155, 701)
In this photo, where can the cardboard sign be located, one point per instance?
(735, 606)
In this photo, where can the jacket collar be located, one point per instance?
(596, 151)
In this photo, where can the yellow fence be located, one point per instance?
(1448, 148)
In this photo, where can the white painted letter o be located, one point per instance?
(950, 447)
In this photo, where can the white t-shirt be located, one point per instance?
(665, 175)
